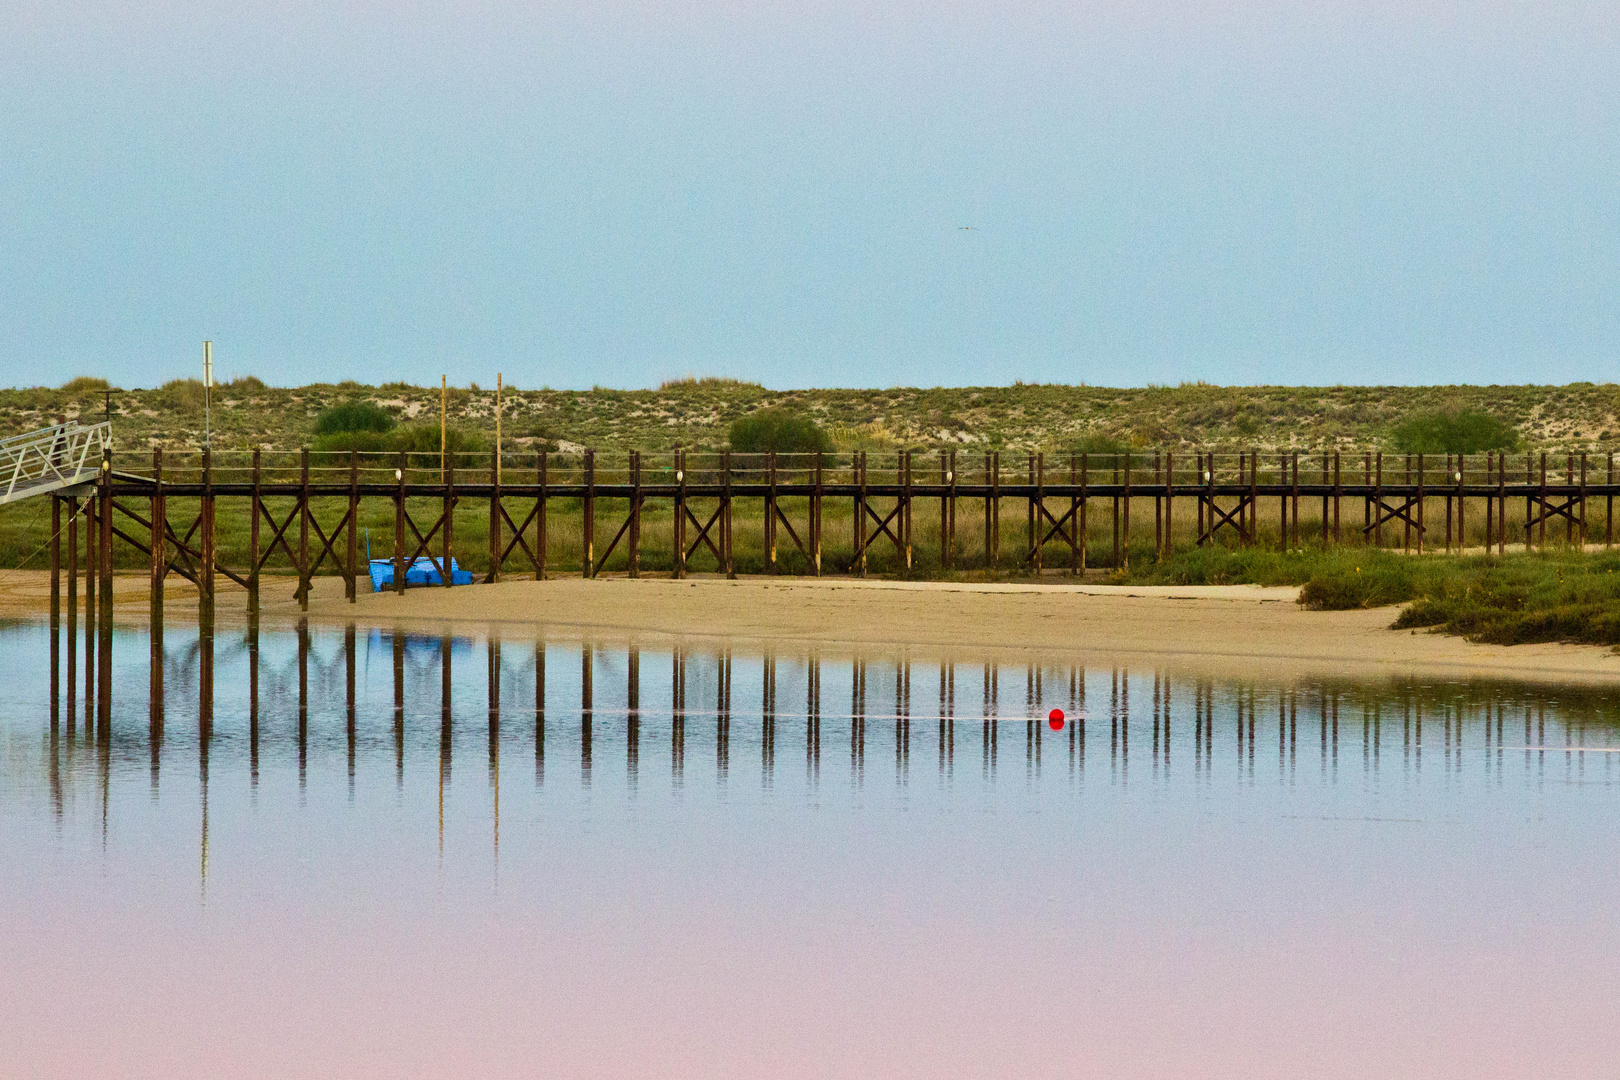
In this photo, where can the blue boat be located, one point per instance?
(422, 571)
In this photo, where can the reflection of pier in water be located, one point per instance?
(304, 700)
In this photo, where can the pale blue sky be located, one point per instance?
(624, 192)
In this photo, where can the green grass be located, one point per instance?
(1519, 598)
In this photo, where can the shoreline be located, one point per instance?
(1232, 629)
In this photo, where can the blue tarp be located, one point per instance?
(421, 572)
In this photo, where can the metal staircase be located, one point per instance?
(50, 459)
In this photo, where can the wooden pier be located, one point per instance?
(306, 508)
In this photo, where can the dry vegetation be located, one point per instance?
(696, 412)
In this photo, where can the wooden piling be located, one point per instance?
(540, 535)
(906, 520)
(1169, 502)
(157, 537)
(588, 538)
(815, 515)
(400, 565)
(1295, 496)
(256, 510)
(1490, 514)
(205, 590)
(495, 545)
(770, 512)
(726, 518)
(635, 513)
(448, 533)
(303, 530)
(860, 515)
(680, 514)
(1032, 545)
(1085, 502)
(353, 570)
(72, 629)
(989, 561)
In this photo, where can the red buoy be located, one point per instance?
(1054, 719)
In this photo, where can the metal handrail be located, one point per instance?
(52, 458)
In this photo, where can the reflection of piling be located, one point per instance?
(399, 707)
(587, 665)
(72, 628)
(812, 723)
(253, 696)
(633, 719)
(540, 704)
(722, 721)
(768, 720)
(348, 698)
(677, 726)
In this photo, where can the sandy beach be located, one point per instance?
(1226, 628)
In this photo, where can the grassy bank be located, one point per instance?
(1557, 596)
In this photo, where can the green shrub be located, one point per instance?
(354, 416)
(366, 442)
(245, 384)
(780, 431)
(86, 384)
(1466, 431)
(421, 443)
(185, 394)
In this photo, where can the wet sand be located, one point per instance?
(1194, 627)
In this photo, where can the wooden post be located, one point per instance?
(588, 537)
(303, 530)
(158, 537)
(860, 517)
(1169, 502)
(1074, 516)
(1125, 524)
(1461, 476)
(1085, 505)
(1490, 510)
(253, 539)
(354, 528)
(1296, 498)
(205, 595)
(635, 513)
(679, 531)
(1608, 517)
(770, 512)
(1116, 512)
(1032, 554)
(987, 486)
(1541, 532)
(400, 566)
(944, 513)
(906, 518)
(725, 517)
(447, 567)
(71, 631)
(1378, 496)
(495, 545)
(815, 516)
(1569, 482)
(1201, 461)
(542, 467)
(1338, 490)
(104, 655)
(1158, 507)
(1420, 501)
(1581, 533)
(1501, 504)
(56, 609)
(995, 508)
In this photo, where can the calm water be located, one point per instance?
(437, 857)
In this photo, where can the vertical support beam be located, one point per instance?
(1490, 510)
(541, 477)
(1378, 496)
(1085, 506)
(1032, 557)
(1295, 496)
(906, 517)
(1074, 516)
(1569, 482)
(1608, 517)
(71, 631)
(303, 530)
(353, 571)
(1040, 507)
(257, 510)
(1158, 506)
(944, 513)
(1541, 531)
(815, 515)
(1338, 492)
(56, 610)
(1581, 532)
(1254, 497)
(1421, 499)
(158, 536)
(1501, 504)
(400, 567)
(588, 537)
(1169, 500)
(1125, 524)
(448, 535)
(725, 519)
(494, 573)
(1461, 477)
(1204, 467)
(770, 512)
(1116, 512)
(680, 515)
(104, 653)
(860, 515)
(987, 485)
(635, 513)
(90, 545)
(995, 508)
(205, 594)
